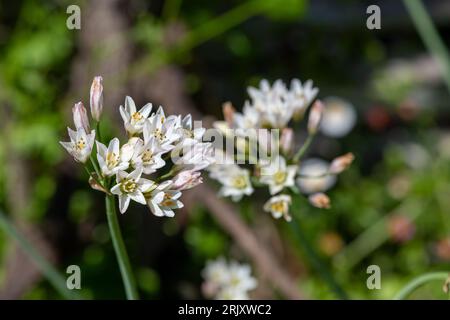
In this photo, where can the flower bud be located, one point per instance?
(228, 113)
(315, 115)
(287, 137)
(97, 98)
(341, 163)
(320, 200)
(80, 118)
(187, 180)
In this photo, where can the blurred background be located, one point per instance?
(388, 104)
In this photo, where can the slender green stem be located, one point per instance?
(95, 166)
(420, 281)
(97, 128)
(119, 248)
(430, 36)
(220, 24)
(316, 261)
(53, 276)
(303, 149)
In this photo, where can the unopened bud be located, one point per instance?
(341, 163)
(228, 113)
(187, 180)
(286, 140)
(97, 98)
(315, 115)
(80, 118)
(320, 200)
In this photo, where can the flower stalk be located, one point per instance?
(420, 281)
(119, 247)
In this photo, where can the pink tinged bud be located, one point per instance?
(286, 140)
(97, 98)
(315, 115)
(341, 163)
(186, 180)
(80, 118)
(228, 113)
(320, 200)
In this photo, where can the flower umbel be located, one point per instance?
(272, 108)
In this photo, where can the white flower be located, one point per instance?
(164, 199)
(96, 98)
(277, 175)
(216, 271)
(240, 277)
(248, 119)
(279, 206)
(130, 186)
(301, 96)
(110, 159)
(80, 145)
(225, 281)
(231, 293)
(80, 118)
(339, 117)
(235, 182)
(190, 132)
(164, 130)
(314, 176)
(148, 154)
(193, 155)
(272, 103)
(134, 120)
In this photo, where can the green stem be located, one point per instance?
(95, 166)
(97, 128)
(420, 281)
(316, 261)
(303, 149)
(53, 276)
(119, 248)
(430, 36)
(220, 24)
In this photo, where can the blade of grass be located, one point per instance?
(52, 275)
(430, 36)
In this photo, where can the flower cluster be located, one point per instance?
(227, 281)
(264, 122)
(162, 157)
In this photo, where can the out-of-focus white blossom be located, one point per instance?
(314, 177)
(228, 281)
(235, 182)
(278, 206)
(301, 96)
(277, 175)
(339, 117)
